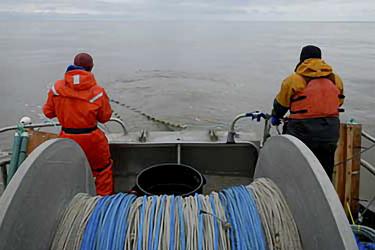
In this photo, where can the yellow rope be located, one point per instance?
(351, 215)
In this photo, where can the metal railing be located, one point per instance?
(256, 115)
(44, 125)
(368, 136)
(5, 159)
(368, 166)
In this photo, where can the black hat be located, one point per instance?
(310, 51)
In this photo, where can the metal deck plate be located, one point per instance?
(311, 196)
(40, 191)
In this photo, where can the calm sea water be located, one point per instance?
(197, 73)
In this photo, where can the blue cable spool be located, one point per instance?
(172, 222)
(121, 228)
(246, 231)
(88, 241)
(158, 223)
(181, 222)
(141, 222)
(151, 221)
(108, 223)
(200, 223)
(108, 226)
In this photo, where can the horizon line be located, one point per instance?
(108, 17)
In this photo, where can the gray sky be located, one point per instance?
(288, 10)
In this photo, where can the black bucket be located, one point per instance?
(169, 178)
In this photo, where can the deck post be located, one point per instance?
(347, 166)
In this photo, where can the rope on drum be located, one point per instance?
(148, 116)
(237, 218)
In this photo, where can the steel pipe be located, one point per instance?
(368, 166)
(368, 136)
(44, 125)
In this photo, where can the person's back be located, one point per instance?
(79, 103)
(313, 95)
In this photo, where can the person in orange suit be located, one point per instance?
(79, 103)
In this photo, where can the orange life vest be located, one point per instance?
(320, 98)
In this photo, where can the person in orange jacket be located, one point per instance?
(79, 103)
(313, 95)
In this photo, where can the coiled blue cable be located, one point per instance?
(106, 229)
(122, 223)
(90, 233)
(261, 243)
(181, 222)
(151, 221)
(108, 224)
(233, 232)
(246, 216)
(158, 223)
(200, 222)
(115, 222)
(172, 222)
(141, 222)
(246, 231)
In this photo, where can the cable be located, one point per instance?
(355, 155)
(216, 226)
(253, 217)
(278, 224)
(121, 227)
(68, 232)
(200, 223)
(246, 229)
(181, 222)
(88, 240)
(172, 222)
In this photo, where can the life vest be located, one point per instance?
(320, 98)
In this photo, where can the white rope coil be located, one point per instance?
(278, 223)
(72, 225)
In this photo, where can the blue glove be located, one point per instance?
(275, 121)
(256, 115)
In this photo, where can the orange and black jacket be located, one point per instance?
(307, 122)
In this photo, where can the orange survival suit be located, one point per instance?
(79, 103)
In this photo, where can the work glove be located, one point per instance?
(257, 115)
(275, 121)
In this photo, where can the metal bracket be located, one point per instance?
(143, 136)
(213, 135)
